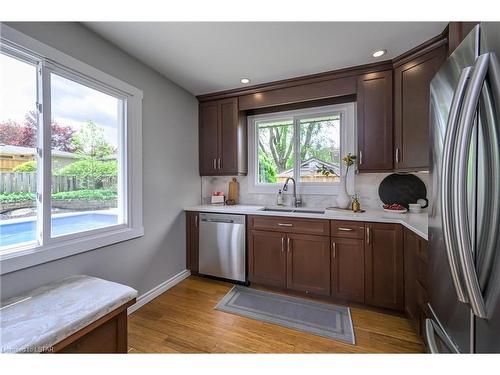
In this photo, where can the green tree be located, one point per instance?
(267, 171)
(89, 142)
(93, 151)
(276, 141)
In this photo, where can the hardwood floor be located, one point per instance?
(183, 320)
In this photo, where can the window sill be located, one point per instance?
(33, 256)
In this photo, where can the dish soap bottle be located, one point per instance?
(279, 198)
(356, 206)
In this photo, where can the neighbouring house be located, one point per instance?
(12, 156)
(309, 171)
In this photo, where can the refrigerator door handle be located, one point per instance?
(430, 335)
(433, 327)
(489, 230)
(446, 174)
(431, 330)
(465, 128)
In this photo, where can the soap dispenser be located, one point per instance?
(279, 198)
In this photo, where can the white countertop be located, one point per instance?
(37, 320)
(415, 222)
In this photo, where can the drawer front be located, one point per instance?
(348, 229)
(290, 225)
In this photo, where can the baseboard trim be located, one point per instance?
(157, 290)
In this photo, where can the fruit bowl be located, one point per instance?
(395, 208)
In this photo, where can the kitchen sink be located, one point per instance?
(294, 210)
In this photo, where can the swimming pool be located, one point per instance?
(24, 230)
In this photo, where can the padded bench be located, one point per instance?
(78, 314)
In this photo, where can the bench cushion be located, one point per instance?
(37, 320)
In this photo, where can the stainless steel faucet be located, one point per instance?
(296, 201)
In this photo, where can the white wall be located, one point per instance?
(170, 171)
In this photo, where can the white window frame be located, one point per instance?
(50, 60)
(347, 112)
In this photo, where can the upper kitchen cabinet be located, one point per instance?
(222, 138)
(412, 77)
(375, 127)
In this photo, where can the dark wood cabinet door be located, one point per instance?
(192, 231)
(411, 109)
(267, 258)
(228, 130)
(411, 243)
(308, 263)
(375, 130)
(348, 269)
(384, 265)
(208, 138)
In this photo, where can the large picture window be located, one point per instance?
(69, 171)
(306, 145)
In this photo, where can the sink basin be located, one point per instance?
(278, 209)
(294, 210)
(309, 211)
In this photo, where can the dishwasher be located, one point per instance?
(222, 246)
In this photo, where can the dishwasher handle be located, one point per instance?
(227, 221)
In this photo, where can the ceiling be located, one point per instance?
(205, 57)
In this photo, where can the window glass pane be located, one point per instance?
(18, 142)
(275, 151)
(320, 149)
(85, 127)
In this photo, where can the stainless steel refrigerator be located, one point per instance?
(464, 212)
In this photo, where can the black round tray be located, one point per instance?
(402, 188)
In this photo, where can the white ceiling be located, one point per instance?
(205, 57)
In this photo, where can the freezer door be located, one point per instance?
(487, 255)
(445, 279)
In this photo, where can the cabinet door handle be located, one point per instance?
(220, 163)
(215, 163)
(345, 229)
(360, 157)
(288, 243)
(196, 221)
(397, 154)
(282, 244)
(285, 225)
(368, 235)
(334, 247)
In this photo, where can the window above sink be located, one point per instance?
(306, 144)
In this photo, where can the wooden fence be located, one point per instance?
(11, 182)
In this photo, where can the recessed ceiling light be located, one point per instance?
(245, 80)
(379, 53)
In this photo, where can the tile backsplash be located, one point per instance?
(366, 185)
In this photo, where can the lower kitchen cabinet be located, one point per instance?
(308, 263)
(384, 266)
(192, 235)
(348, 269)
(294, 261)
(267, 258)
